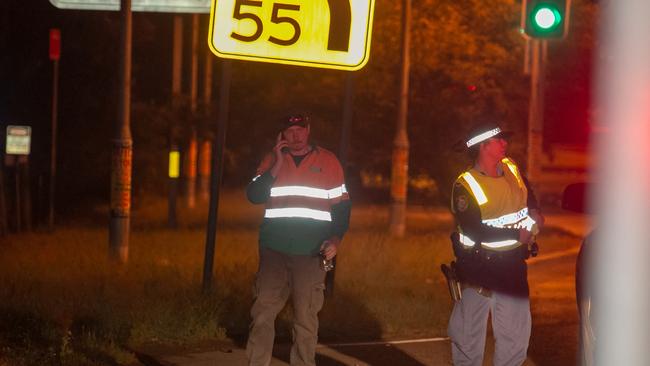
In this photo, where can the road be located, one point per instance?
(553, 340)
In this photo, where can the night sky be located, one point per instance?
(89, 80)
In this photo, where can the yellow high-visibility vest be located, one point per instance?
(502, 202)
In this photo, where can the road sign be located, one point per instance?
(55, 44)
(18, 140)
(165, 6)
(318, 33)
(174, 163)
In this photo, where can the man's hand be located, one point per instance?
(525, 236)
(330, 247)
(538, 217)
(280, 144)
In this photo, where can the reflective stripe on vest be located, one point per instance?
(508, 219)
(513, 169)
(478, 193)
(310, 192)
(516, 220)
(272, 213)
(502, 244)
(519, 219)
(465, 240)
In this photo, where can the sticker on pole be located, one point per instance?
(18, 140)
(332, 34)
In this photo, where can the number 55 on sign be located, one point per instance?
(331, 34)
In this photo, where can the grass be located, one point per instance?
(62, 302)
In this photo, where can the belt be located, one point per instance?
(483, 291)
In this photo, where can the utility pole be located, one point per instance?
(177, 60)
(191, 154)
(121, 160)
(399, 177)
(194, 72)
(536, 109)
(207, 81)
(190, 164)
(174, 153)
(205, 151)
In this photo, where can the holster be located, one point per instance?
(453, 282)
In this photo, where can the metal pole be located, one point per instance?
(27, 196)
(207, 81)
(205, 154)
(399, 176)
(55, 98)
(536, 111)
(121, 161)
(216, 174)
(191, 158)
(173, 185)
(18, 197)
(177, 68)
(195, 63)
(3, 202)
(348, 103)
(206, 145)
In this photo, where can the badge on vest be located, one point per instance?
(461, 203)
(315, 169)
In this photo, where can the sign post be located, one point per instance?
(55, 55)
(18, 143)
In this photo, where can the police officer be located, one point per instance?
(497, 218)
(307, 212)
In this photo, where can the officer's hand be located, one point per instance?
(525, 236)
(330, 247)
(538, 217)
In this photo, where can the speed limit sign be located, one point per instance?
(331, 34)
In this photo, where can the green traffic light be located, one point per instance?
(546, 18)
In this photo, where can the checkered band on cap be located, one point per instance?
(483, 136)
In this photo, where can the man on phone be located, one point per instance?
(307, 213)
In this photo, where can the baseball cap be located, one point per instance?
(296, 119)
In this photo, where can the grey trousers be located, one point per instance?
(279, 276)
(511, 325)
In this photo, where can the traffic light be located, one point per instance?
(545, 18)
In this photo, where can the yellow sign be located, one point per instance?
(174, 164)
(331, 34)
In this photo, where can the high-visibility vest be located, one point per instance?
(502, 202)
(308, 190)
